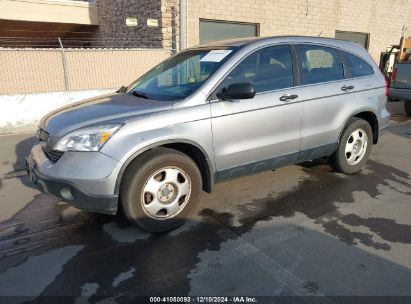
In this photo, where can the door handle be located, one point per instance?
(288, 97)
(347, 88)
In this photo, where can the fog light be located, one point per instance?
(66, 194)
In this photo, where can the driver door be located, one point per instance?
(252, 135)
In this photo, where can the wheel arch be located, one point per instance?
(189, 148)
(371, 118)
(368, 116)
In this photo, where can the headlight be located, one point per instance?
(88, 139)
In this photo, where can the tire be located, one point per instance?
(160, 189)
(407, 107)
(354, 147)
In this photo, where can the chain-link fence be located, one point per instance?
(36, 60)
(78, 42)
(50, 67)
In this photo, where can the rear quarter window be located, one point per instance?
(357, 66)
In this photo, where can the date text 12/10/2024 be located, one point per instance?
(203, 299)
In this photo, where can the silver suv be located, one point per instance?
(208, 114)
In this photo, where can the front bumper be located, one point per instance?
(86, 191)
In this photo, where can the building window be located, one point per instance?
(361, 38)
(215, 30)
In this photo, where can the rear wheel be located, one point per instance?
(407, 107)
(161, 189)
(354, 147)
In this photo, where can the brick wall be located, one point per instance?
(113, 14)
(383, 19)
(112, 18)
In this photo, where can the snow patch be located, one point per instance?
(22, 112)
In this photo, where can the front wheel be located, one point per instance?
(160, 189)
(354, 147)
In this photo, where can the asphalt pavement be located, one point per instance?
(301, 230)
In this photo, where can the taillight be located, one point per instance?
(387, 84)
(393, 74)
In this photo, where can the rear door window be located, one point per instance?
(319, 64)
(357, 66)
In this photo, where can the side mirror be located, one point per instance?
(243, 90)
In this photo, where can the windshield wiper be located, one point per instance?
(140, 94)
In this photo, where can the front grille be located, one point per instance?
(53, 155)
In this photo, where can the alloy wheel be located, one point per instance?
(166, 192)
(356, 146)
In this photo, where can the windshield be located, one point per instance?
(179, 76)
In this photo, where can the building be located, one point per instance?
(375, 24)
(46, 20)
(82, 23)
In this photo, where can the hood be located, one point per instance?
(111, 108)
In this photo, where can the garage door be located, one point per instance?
(361, 38)
(214, 30)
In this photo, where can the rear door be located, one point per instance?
(264, 132)
(328, 99)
